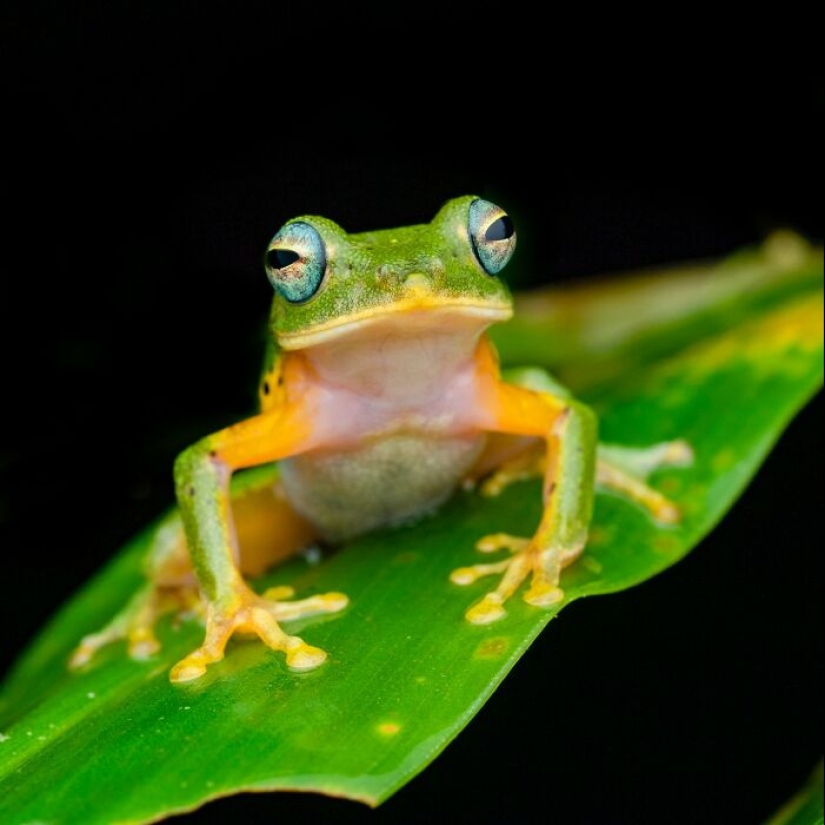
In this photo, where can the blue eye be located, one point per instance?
(492, 234)
(296, 262)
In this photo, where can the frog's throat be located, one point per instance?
(436, 312)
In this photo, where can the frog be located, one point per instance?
(381, 395)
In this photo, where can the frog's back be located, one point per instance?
(383, 482)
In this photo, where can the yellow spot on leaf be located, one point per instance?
(797, 325)
(389, 728)
(492, 648)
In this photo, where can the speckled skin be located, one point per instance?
(383, 483)
(370, 270)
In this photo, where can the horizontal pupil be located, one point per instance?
(280, 258)
(500, 230)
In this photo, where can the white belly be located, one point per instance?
(385, 481)
(397, 402)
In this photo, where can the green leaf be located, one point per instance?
(118, 743)
(603, 330)
(807, 807)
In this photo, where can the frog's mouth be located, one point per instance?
(419, 317)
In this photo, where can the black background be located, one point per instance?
(149, 155)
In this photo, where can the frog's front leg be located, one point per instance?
(202, 484)
(570, 432)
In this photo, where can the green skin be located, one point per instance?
(405, 289)
(365, 271)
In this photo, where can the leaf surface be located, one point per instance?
(118, 743)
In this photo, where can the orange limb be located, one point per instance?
(569, 431)
(202, 481)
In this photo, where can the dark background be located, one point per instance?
(148, 156)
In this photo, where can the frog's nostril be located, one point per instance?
(417, 282)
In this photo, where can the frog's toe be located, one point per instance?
(192, 667)
(501, 541)
(301, 656)
(543, 594)
(278, 593)
(143, 643)
(677, 454)
(489, 609)
(89, 645)
(300, 608)
(543, 566)
(134, 624)
(471, 574)
(667, 513)
(247, 613)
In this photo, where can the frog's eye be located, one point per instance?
(492, 234)
(296, 262)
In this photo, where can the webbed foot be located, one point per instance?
(246, 612)
(527, 559)
(136, 622)
(625, 470)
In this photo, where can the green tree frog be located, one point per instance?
(381, 394)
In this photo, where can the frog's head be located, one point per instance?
(328, 283)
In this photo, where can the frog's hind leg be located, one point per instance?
(170, 585)
(620, 469)
(267, 528)
(625, 470)
(136, 622)
(269, 531)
